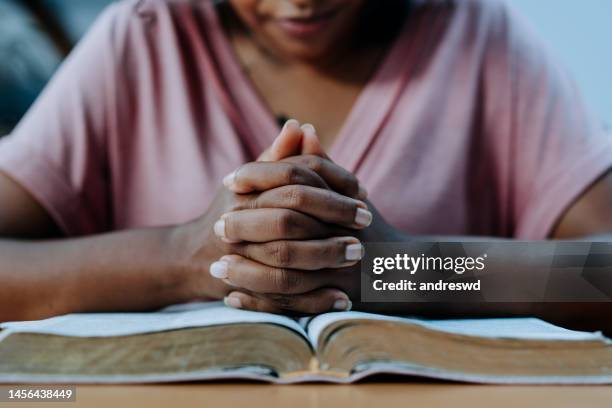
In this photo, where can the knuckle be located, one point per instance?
(331, 200)
(331, 251)
(282, 301)
(242, 202)
(350, 182)
(353, 186)
(347, 208)
(297, 196)
(292, 174)
(315, 163)
(280, 253)
(285, 281)
(285, 223)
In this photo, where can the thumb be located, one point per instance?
(311, 143)
(288, 143)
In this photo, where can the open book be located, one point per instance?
(210, 341)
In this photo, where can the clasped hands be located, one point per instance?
(285, 233)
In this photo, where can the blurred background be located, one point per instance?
(35, 36)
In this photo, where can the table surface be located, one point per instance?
(367, 395)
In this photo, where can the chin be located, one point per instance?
(308, 54)
(310, 51)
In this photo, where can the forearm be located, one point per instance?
(131, 270)
(576, 315)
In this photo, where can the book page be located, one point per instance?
(499, 328)
(123, 324)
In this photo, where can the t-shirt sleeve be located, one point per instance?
(548, 148)
(58, 152)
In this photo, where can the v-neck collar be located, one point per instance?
(363, 122)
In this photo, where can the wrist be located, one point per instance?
(137, 270)
(191, 249)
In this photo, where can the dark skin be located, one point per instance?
(151, 268)
(288, 219)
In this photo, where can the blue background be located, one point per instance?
(579, 33)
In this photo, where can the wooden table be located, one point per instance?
(368, 395)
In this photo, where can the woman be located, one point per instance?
(447, 112)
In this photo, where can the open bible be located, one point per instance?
(210, 341)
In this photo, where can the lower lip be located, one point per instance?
(305, 28)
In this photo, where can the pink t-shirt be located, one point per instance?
(467, 127)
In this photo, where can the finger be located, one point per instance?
(288, 142)
(318, 301)
(311, 143)
(338, 178)
(325, 205)
(262, 176)
(272, 224)
(312, 255)
(240, 272)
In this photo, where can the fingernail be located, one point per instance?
(219, 269)
(292, 124)
(343, 305)
(309, 130)
(363, 193)
(232, 301)
(219, 228)
(354, 252)
(363, 218)
(228, 180)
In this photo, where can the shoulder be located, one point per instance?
(475, 26)
(475, 10)
(490, 17)
(127, 28)
(504, 26)
(145, 9)
(125, 17)
(492, 29)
